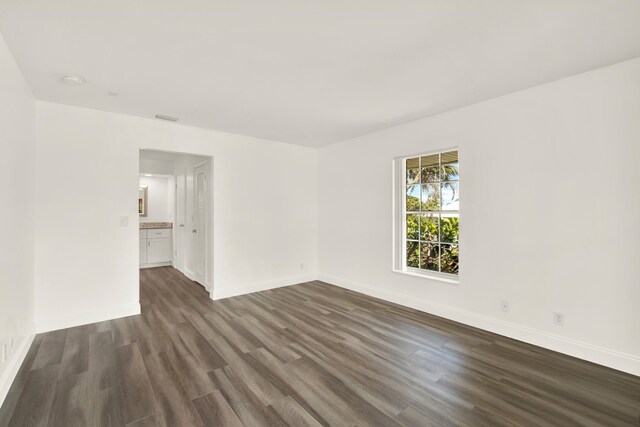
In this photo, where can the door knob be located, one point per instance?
(194, 231)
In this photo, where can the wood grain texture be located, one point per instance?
(306, 355)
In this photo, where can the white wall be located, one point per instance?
(160, 198)
(156, 167)
(550, 202)
(17, 187)
(264, 216)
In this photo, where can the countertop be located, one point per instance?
(147, 225)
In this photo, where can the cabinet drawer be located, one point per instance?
(158, 233)
(143, 234)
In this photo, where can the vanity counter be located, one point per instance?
(147, 225)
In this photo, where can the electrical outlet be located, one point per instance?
(504, 306)
(558, 319)
(302, 266)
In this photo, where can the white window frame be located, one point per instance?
(399, 261)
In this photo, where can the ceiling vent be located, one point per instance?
(167, 118)
(73, 80)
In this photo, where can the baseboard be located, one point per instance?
(221, 293)
(592, 353)
(156, 264)
(54, 323)
(14, 363)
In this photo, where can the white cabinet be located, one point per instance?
(156, 247)
(158, 250)
(158, 233)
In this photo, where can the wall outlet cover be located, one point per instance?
(504, 306)
(558, 318)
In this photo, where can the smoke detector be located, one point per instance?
(73, 80)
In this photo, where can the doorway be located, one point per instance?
(185, 212)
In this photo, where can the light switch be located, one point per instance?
(124, 221)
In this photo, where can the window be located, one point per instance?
(427, 214)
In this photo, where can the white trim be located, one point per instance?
(433, 275)
(157, 264)
(221, 293)
(428, 153)
(54, 323)
(593, 353)
(14, 363)
(397, 231)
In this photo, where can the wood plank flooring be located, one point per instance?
(305, 355)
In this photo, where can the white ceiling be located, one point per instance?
(308, 72)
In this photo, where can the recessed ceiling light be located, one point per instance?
(113, 92)
(165, 117)
(74, 80)
(148, 174)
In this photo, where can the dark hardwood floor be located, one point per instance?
(311, 354)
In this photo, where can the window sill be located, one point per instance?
(446, 278)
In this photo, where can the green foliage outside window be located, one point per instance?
(413, 203)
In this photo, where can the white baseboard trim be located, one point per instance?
(221, 293)
(14, 363)
(156, 264)
(592, 353)
(54, 323)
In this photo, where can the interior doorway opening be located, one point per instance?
(175, 207)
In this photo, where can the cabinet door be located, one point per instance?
(158, 250)
(143, 251)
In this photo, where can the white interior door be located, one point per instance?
(181, 220)
(200, 225)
